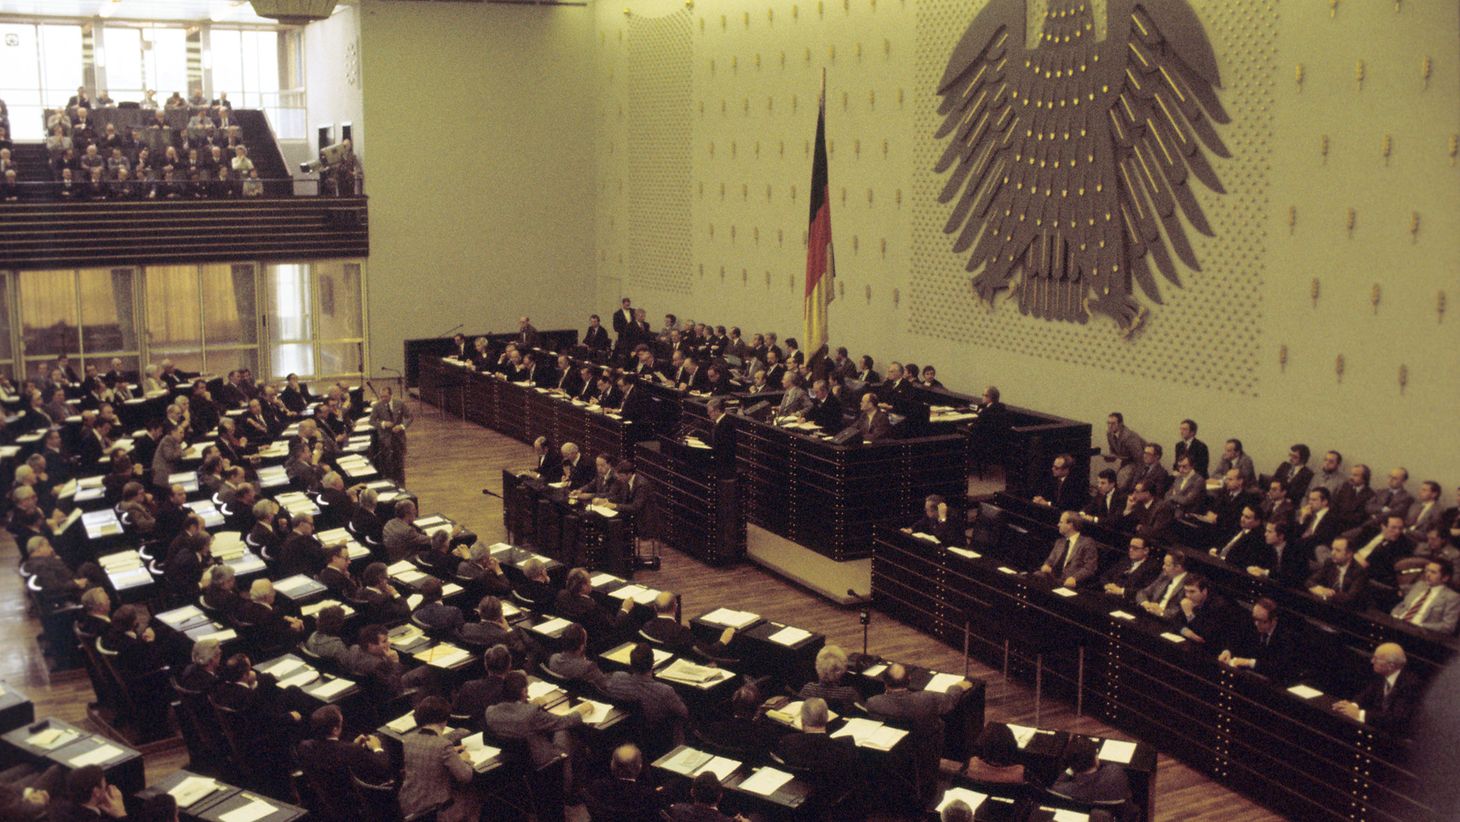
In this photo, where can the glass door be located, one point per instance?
(314, 319)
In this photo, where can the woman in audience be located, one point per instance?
(220, 591)
(326, 642)
(996, 757)
(830, 684)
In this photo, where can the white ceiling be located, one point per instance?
(230, 11)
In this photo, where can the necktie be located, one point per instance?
(1418, 605)
(1227, 549)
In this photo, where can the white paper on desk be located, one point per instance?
(631, 591)
(400, 566)
(875, 671)
(858, 728)
(315, 607)
(1122, 615)
(1004, 569)
(540, 688)
(970, 798)
(282, 667)
(963, 552)
(334, 686)
(687, 762)
(444, 655)
(403, 723)
(191, 789)
(300, 679)
(1170, 637)
(290, 586)
(221, 636)
(1118, 751)
(731, 618)
(1304, 691)
(720, 766)
(694, 443)
(603, 579)
(256, 809)
(1066, 592)
(1065, 815)
(688, 673)
(940, 683)
(789, 635)
(603, 511)
(67, 490)
(410, 577)
(52, 738)
(1023, 734)
(552, 627)
(407, 636)
(766, 781)
(99, 755)
(478, 752)
(179, 616)
(601, 710)
(925, 537)
(414, 601)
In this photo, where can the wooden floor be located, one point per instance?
(451, 461)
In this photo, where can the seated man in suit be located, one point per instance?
(795, 401)
(1162, 598)
(326, 642)
(1074, 557)
(1086, 779)
(432, 612)
(1340, 580)
(937, 523)
(1059, 490)
(491, 628)
(604, 626)
(301, 551)
(546, 734)
(622, 794)
(596, 337)
(536, 588)
(872, 421)
(1268, 645)
(1225, 506)
(1351, 500)
(336, 575)
(1188, 492)
(825, 410)
(547, 464)
(434, 770)
(365, 524)
(704, 802)
(372, 659)
(1108, 503)
(634, 403)
(1431, 603)
(1391, 698)
(577, 471)
(660, 707)
(1378, 554)
(383, 603)
(484, 571)
(572, 663)
(476, 695)
(634, 492)
(922, 711)
(269, 627)
(1126, 578)
(605, 484)
(1246, 547)
(402, 537)
(329, 762)
(1206, 618)
(831, 762)
(665, 630)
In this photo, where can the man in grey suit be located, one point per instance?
(1162, 598)
(1124, 449)
(390, 418)
(923, 711)
(1391, 501)
(1432, 604)
(872, 421)
(1074, 557)
(663, 712)
(1426, 511)
(795, 400)
(546, 733)
(1234, 457)
(434, 771)
(1188, 490)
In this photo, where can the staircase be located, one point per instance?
(263, 149)
(32, 165)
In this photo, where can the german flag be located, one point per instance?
(820, 261)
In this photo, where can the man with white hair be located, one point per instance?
(1391, 698)
(202, 674)
(269, 627)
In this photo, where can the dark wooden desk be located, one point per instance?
(542, 516)
(827, 497)
(1233, 725)
(696, 508)
(226, 798)
(416, 350)
(123, 769)
(16, 709)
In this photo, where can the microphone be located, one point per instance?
(456, 327)
(490, 493)
(388, 368)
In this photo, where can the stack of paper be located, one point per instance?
(293, 586)
(869, 733)
(731, 618)
(791, 714)
(638, 593)
(314, 608)
(401, 724)
(255, 809)
(766, 781)
(963, 552)
(443, 655)
(400, 566)
(970, 798)
(99, 755)
(553, 627)
(52, 738)
(1117, 751)
(282, 667)
(875, 670)
(1023, 734)
(691, 762)
(405, 635)
(542, 689)
(688, 673)
(191, 789)
(331, 688)
(604, 578)
(940, 683)
(478, 752)
(1304, 691)
(621, 655)
(789, 636)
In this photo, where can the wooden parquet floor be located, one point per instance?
(451, 461)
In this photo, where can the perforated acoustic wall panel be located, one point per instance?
(1207, 334)
(659, 148)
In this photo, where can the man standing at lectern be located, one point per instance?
(390, 417)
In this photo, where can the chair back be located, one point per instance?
(380, 803)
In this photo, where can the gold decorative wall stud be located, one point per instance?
(1353, 220)
(1440, 300)
(1359, 71)
(1426, 66)
(1323, 147)
(1332, 8)
(1338, 366)
(1283, 357)
(1298, 73)
(1292, 219)
(1314, 289)
(1414, 226)
(1403, 377)
(1376, 293)
(1386, 147)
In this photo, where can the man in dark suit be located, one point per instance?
(636, 403)
(596, 337)
(1150, 470)
(1206, 618)
(1390, 700)
(575, 602)
(547, 462)
(1127, 577)
(1289, 565)
(460, 348)
(476, 695)
(535, 588)
(329, 763)
(576, 470)
(936, 522)
(1294, 473)
(660, 707)
(1388, 546)
(825, 410)
(1086, 779)
(527, 336)
(301, 552)
(1317, 524)
(872, 421)
(336, 575)
(1074, 557)
(922, 711)
(1352, 498)
(1108, 503)
(666, 631)
(1246, 548)
(831, 761)
(622, 794)
(1340, 581)
(1059, 490)
(1190, 446)
(634, 492)
(704, 802)
(267, 627)
(623, 321)
(1267, 645)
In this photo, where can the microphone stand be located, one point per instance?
(456, 327)
(865, 615)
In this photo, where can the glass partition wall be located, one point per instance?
(274, 319)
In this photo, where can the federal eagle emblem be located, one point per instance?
(1071, 161)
